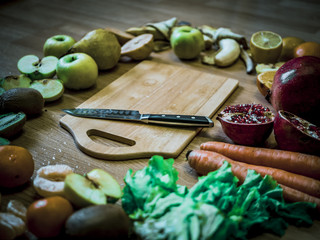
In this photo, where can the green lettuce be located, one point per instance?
(216, 207)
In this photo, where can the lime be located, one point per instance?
(288, 46)
(265, 47)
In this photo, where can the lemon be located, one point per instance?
(288, 46)
(265, 47)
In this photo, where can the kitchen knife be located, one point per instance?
(133, 115)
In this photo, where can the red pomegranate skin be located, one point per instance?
(289, 138)
(296, 88)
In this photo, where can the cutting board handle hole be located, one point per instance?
(109, 139)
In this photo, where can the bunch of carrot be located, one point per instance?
(298, 174)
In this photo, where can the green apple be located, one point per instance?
(36, 68)
(82, 192)
(15, 81)
(96, 187)
(50, 89)
(58, 45)
(187, 42)
(77, 71)
(108, 185)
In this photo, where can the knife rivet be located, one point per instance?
(163, 115)
(178, 116)
(193, 117)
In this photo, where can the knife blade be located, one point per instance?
(134, 115)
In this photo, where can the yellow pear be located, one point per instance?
(102, 45)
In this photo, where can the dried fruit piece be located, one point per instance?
(138, 48)
(293, 133)
(18, 209)
(247, 124)
(11, 226)
(264, 81)
(49, 180)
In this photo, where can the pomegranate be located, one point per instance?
(296, 88)
(247, 124)
(293, 133)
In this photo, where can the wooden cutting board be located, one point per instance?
(149, 87)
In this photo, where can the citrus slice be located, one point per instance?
(265, 47)
(264, 81)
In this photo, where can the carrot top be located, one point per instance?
(215, 207)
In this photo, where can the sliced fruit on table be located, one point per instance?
(261, 67)
(266, 47)
(138, 48)
(46, 217)
(307, 49)
(293, 133)
(49, 180)
(247, 124)
(264, 81)
(17, 208)
(288, 46)
(97, 187)
(11, 123)
(122, 36)
(15, 81)
(27, 100)
(164, 27)
(50, 89)
(11, 226)
(36, 68)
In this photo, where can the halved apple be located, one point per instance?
(96, 187)
(105, 183)
(16, 81)
(36, 68)
(50, 89)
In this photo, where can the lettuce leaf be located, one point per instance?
(215, 207)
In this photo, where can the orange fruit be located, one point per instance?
(307, 49)
(46, 217)
(288, 46)
(16, 166)
(264, 81)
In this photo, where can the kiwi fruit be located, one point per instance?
(27, 100)
(11, 123)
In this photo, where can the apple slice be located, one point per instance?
(82, 192)
(106, 183)
(50, 89)
(14, 81)
(36, 68)
(138, 48)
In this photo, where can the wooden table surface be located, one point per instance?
(25, 25)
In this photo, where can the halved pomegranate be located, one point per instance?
(247, 124)
(293, 133)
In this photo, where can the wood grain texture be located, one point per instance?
(154, 88)
(26, 24)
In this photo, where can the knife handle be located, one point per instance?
(178, 120)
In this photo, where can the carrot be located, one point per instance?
(205, 161)
(293, 195)
(299, 163)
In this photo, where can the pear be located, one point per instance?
(102, 45)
